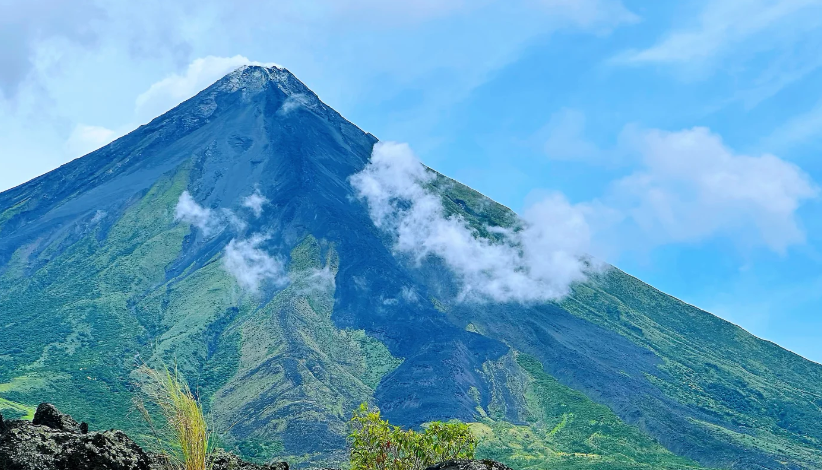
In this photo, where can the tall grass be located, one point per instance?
(185, 435)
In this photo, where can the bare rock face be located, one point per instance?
(469, 465)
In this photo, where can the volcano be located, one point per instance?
(233, 237)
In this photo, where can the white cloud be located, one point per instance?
(689, 187)
(85, 139)
(291, 103)
(207, 220)
(251, 266)
(693, 187)
(316, 280)
(188, 211)
(723, 24)
(174, 89)
(255, 202)
(243, 259)
(538, 262)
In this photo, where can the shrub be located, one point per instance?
(378, 445)
(185, 436)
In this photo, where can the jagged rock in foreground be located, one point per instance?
(48, 415)
(58, 443)
(469, 465)
(55, 441)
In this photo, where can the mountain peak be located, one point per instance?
(257, 78)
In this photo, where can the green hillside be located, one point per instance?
(98, 276)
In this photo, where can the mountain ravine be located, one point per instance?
(225, 236)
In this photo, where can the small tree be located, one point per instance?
(378, 445)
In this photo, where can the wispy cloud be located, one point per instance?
(291, 103)
(251, 265)
(188, 211)
(538, 262)
(255, 202)
(209, 221)
(27, 26)
(801, 129)
(723, 25)
(243, 258)
(688, 186)
(601, 15)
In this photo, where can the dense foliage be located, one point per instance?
(378, 445)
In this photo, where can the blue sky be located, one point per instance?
(686, 133)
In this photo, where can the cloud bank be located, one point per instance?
(692, 186)
(538, 262)
(687, 186)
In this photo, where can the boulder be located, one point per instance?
(48, 415)
(469, 465)
(28, 446)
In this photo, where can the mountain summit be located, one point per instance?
(237, 236)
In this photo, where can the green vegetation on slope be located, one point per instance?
(770, 395)
(76, 311)
(296, 368)
(103, 304)
(566, 430)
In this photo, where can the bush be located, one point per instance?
(185, 436)
(378, 445)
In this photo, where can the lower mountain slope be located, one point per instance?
(225, 237)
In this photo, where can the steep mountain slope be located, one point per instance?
(226, 236)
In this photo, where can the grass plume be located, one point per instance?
(185, 436)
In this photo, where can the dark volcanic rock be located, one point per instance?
(55, 441)
(469, 465)
(29, 446)
(48, 415)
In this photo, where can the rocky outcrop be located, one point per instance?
(469, 465)
(48, 415)
(55, 441)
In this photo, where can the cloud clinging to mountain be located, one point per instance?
(243, 258)
(537, 263)
(255, 202)
(251, 265)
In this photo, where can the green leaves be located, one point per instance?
(378, 445)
